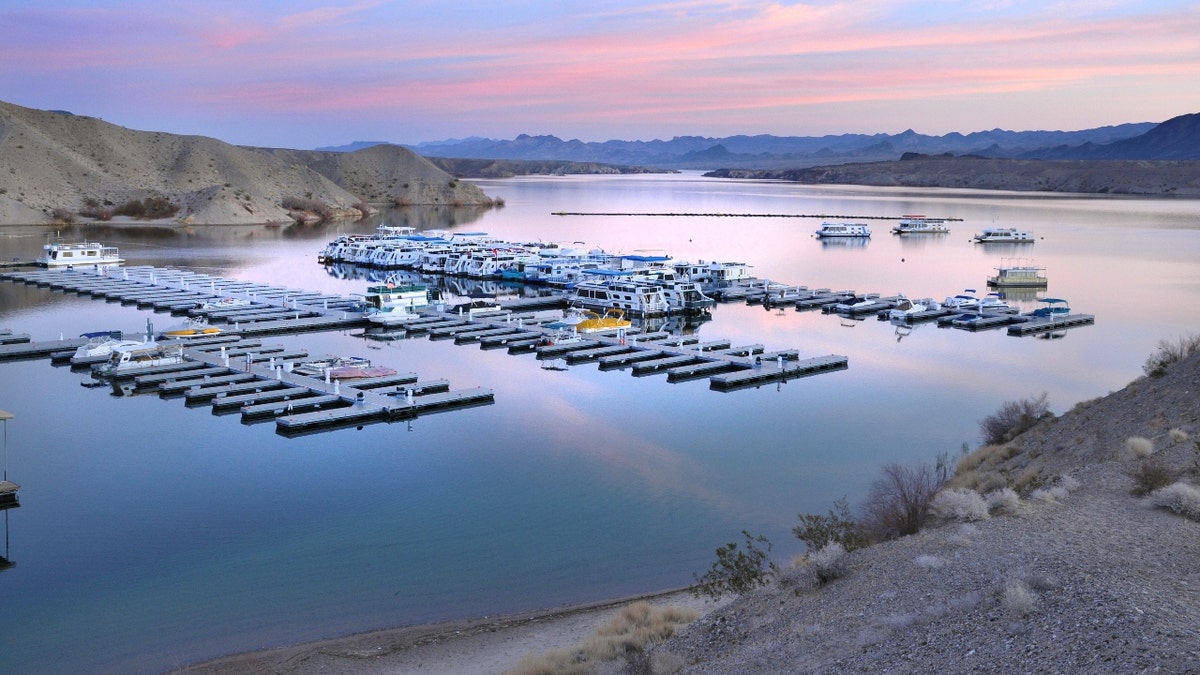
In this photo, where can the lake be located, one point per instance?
(151, 534)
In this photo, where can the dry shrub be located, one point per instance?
(1004, 500)
(1056, 491)
(1180, 497)
(1139, 446)
(898, 502)
(828, 563)
(1013, 418)
(631, 631)
(1169, 352)
(958, 504)
(62, 215)
(1149, 476)
(1019, 599)
(1178, 435)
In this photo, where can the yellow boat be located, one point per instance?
(190, 329)
(611, 320)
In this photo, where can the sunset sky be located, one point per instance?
(302, 74)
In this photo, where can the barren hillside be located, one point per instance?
(53, 160)
(1079, 576)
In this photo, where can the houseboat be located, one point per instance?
(994, 235)
(917, 224)
(843, 230)
(638, 299)
(1018, 276)
(63, 254)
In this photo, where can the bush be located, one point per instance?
(1150, 476)
(1019, 599)
(736, 571)
(898, 502)
(1139, 447)
(1013, 418)
(958, 504)
(837, 527)
(150, 208)
(1179, 497)
(828, 563)
(1004, 500)
(1169, 352)
(1057, 491)
(1178, 435)
(307, 205)
(61, 215)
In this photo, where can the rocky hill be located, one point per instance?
(1076, 576)
(55, 165)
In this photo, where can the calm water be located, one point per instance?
(152, 535)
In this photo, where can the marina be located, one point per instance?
(232, 535)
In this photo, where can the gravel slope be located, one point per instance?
(1115, 584)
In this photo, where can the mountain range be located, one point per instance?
(1173, 139)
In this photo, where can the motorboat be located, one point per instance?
(857, 304)
(1018, 276)
(64, 254)
(612, 319)
(190, 328)
(993, 235)
(1056, 308)
(341, 368)
(100, 346)
(141, 355)
(962, 301)
(992, 303)
(918, 224)
(907, 308)
(223, 303)
(561, 336)
(843, 230)
(385, 298)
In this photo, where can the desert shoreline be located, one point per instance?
(487, 644)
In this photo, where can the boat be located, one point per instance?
(223, 303)
(341, 368)
(843, 230)
(100, 346)
(962, 301)
(64, 254)
(993, 235)
(1056, 308)
(140, 355)
(190, 328)
(908, 309)
(992, 303)
(562, 336)
(918, 224)
(857, 304)
(388, 304)
(612, 319)
(639, 299)
(1018, 276)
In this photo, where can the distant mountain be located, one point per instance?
(1176, 139)
(351, 147)
(59, 167)
(765, 151)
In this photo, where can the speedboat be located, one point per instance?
(991, 235)
(858, 303)
(100, 347)
(223, 303)
(612, 319)
(962, 301)
(140, 355)
(992, 303)
(907, 309)
(843, 230)
(62, 254)
(190, 328)
(1055, 308)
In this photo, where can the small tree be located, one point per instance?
(898, 502)
(1012, 419)
(838, 527)
(736, 570)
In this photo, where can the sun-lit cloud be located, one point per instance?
(626, 69)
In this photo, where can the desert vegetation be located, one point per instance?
(1169, 352)
(737, 570)
(1014, 418)
(627, 635)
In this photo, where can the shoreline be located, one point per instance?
(481, 644)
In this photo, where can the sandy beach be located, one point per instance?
(483, 645)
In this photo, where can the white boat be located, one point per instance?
(408, 298)
(992, 303)
(224, 303)
(857, 304)
(918, 224)
(140, 355)
(100, 347)
(993, 235)
(63, 254)
(908, 309)
(639, 299)
(1018, 276)
(843, 230)
(962, 301)
(190, 328)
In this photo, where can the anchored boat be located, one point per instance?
(63, 254)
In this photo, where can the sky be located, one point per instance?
(304, 74)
